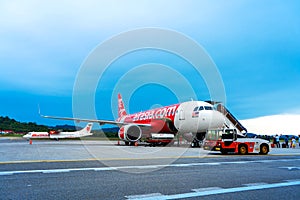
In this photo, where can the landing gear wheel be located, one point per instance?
(195, 143)
(165, 144)
(264, 149)
(243, 150)
(152, 144)
(131, 143)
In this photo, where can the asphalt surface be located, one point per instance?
(99, 170)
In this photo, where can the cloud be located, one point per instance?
(285, 124)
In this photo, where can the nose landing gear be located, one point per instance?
(198, 140)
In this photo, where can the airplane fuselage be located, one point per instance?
(58, 135)
(187, 117)
(196, 117)
(160, 125)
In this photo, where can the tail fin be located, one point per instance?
(88, 128)
(121, 109)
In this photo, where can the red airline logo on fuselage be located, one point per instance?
(159, 113)
(39, 134)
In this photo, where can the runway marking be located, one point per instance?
(143, 196)
(2, 173)
(292, 180)
(206, 189)
(202, 192)
(254, 184)
(290, 168)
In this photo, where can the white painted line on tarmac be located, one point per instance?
(140, 167)
(292, 180)
(146, 167)
(254, 184)
(143, 196)
(290, 168)
(200, 193)
(56, 171)
(206, 189)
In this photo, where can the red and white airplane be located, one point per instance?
(86, 131)
(160, 125)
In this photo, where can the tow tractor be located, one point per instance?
(228, 140)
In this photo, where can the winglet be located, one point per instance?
(40, 114)
(39, 110)
(121, 109)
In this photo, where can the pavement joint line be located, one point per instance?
(120, 159)
(2, 173)
(105, 159)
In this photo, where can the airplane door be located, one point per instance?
(181, 115)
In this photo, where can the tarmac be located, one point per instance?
(20, 150)
(93, 169)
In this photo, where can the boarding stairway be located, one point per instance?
(230, 120)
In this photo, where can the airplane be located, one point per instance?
(159, 126)
(86, 131)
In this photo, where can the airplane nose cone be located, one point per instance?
(214, 120)
(218, 119)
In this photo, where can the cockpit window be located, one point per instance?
(201, 108)
(208, 108)
(195, 109)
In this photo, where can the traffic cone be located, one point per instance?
(118, 142)
(30, 141)
(136, 144)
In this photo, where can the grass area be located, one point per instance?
(11, 135)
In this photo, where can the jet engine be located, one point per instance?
(130, 133)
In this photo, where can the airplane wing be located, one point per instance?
(101, 122)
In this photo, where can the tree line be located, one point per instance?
(7, 123)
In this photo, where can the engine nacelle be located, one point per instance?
(130, 133)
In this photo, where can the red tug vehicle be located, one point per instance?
(228, 140)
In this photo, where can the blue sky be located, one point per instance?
(254, 44)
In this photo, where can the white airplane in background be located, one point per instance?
(159, 126)
(86, 131)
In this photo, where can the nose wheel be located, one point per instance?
(196, 143)
(198, 140)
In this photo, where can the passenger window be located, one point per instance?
(201, 108)
(195, 109)
(208, 108)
